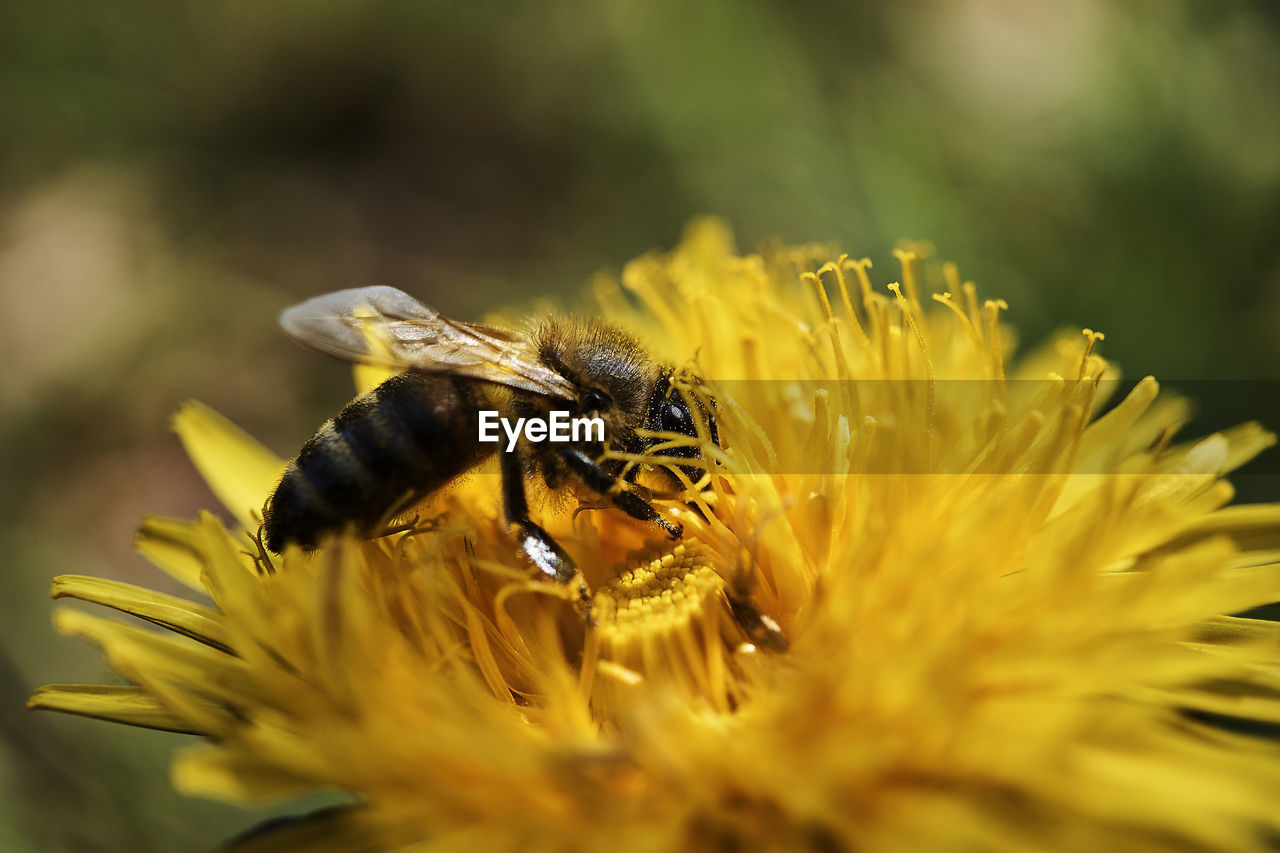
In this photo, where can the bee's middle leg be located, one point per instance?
(536, 543)
(603, 483)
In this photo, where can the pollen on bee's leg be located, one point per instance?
(663, 620)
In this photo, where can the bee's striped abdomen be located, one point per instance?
(406, 438)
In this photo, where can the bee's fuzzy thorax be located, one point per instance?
(593, 353)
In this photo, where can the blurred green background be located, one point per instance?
(173, 173)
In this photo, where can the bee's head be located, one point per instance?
(673, 411)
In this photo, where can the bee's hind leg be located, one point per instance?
(543, 551)
(602, 482)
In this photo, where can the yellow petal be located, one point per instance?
(169, 544)
(239, 470)
(210, 772)
(145, 656)
(183, 617)
(1108, 430)
(126, 704)
(234, 587)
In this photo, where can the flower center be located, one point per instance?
(656, 596)
(663, 623)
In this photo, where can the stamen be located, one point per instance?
(1091, 338)
(908, 258)
(837, 346)
(992, 308)
(951, 273)
(662, 618)
(909, 308)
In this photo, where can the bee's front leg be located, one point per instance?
(543, 551)
(603, 483)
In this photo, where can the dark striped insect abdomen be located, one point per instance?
(401, 441)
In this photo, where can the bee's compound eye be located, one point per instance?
(594, 400)
(676, 417)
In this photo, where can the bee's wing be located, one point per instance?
(386, 327)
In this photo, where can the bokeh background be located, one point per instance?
(174, 172)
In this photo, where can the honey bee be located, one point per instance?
(419, 429)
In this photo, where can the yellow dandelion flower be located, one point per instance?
(932, 598)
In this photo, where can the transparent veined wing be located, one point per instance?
(387, 327)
